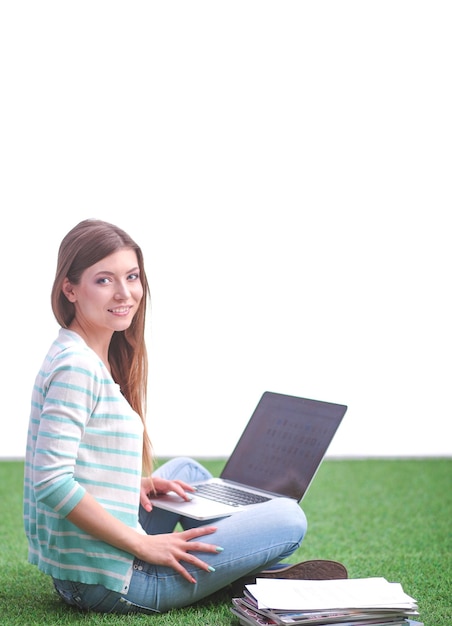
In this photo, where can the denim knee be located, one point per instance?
(183, 468)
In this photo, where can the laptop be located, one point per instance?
(277, 455)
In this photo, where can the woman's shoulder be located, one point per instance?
(70, 352)
(68, 343)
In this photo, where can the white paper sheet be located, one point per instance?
(348, 593)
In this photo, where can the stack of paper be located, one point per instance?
(345, 602)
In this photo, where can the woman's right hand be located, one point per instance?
(167, 549)
(172, 549)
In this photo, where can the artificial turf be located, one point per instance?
(380, 517)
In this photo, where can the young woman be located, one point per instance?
(88, 470)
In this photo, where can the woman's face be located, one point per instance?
(109, 293)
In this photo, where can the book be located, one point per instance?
(345, 602)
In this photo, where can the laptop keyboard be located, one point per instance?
(228, 495)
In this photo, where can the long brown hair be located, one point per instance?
(86, 244)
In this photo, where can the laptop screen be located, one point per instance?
(283, 444)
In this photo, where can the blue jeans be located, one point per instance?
(252, 540)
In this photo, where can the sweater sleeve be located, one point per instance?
(71, 384)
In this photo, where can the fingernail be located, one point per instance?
(211, 569)
(219, 549)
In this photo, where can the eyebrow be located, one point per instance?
(131, 271)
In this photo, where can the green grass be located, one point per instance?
(388, 518)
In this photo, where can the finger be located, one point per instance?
(147, 505)
(199, 546)
(144, 501)
(186, 486)
(181, 492)
(147, 485)
(183, 572)
(199, 531)
(196, 562)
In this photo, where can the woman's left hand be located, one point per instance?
(154, 485)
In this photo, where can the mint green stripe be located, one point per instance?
(44, 433)
(71, 405)
(60, 454)
(113, 504)
(72, 387)
(114, 416)
(110, 468)
(105, 450)
(78, 370)
(86, 481)
(65, 469)
(56, 418)
(107, 433)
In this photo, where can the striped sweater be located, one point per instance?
(83, 436)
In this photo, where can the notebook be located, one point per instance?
(277, 455)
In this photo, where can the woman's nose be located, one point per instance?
(122, 292)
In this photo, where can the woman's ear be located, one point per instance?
(68, 290)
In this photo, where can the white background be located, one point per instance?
(286, 168)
